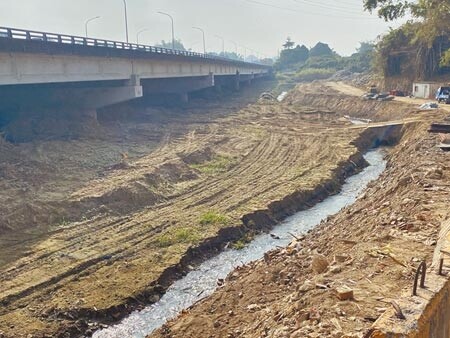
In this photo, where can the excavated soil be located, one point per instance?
(94, 228)
(339, 278)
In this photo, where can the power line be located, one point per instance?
(260, 3)
(333, 8)
(270, 5)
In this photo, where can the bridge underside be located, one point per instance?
(95, 95)
(82, 99)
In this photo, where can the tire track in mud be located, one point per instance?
(268, 153)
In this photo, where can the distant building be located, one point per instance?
(426, 90)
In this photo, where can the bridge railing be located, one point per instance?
(20, 34)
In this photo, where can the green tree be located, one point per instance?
(289, 57)
(445, 61)
(428, 32)
(289, 43)
(388, 9)
(365, 48)
(168, 44)
(321, 49)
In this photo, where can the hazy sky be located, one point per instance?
(261, 25)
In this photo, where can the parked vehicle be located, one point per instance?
(443, 95)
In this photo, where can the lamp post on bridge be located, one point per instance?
(204, 41)
(223, 44)
(139, 33)
(236, 48)
(87, 23)
(126, 19)
(245, 53)
(173, 30)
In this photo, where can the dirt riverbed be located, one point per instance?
(96, 227)
(339, 278)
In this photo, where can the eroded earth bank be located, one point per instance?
(95, 227)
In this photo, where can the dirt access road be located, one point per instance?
(354, 91)
(211, 175)
(371, 248)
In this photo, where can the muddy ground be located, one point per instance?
(97, 226)
(339, 278)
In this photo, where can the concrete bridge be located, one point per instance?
(56, 69)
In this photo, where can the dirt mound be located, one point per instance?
(125, 198)
(31, 214)
(198, 156)
(170, 173)
(138, 188)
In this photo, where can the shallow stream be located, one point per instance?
(202, 281)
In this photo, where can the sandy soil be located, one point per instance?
(143, 203)
(371, 248)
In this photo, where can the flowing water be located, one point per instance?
(282, 96)
(202, 281)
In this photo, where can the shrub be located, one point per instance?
(212, 217)
(177, 236)
(311, 74)
(219, 164)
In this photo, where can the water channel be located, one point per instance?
(202, 281)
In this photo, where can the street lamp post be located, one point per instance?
(126, 18)
(223, 44)
(204, 41)
(173, 30)
(245, 53)
(139, 33)
(87, 23)
(236, 47)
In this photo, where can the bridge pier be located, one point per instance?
(247, 79)
(184, 98)
(230, 81)
(179, 85)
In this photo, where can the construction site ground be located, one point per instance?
(95, 227)
(340, 278)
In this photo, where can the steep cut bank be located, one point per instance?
(340, 278)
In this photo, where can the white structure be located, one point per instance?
(426, 90)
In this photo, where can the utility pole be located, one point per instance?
(173, 28)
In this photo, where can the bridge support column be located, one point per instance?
(184, 98)
(229, 81)
(246, 78)
(237, 82)
(89, 114)
(177, 85)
